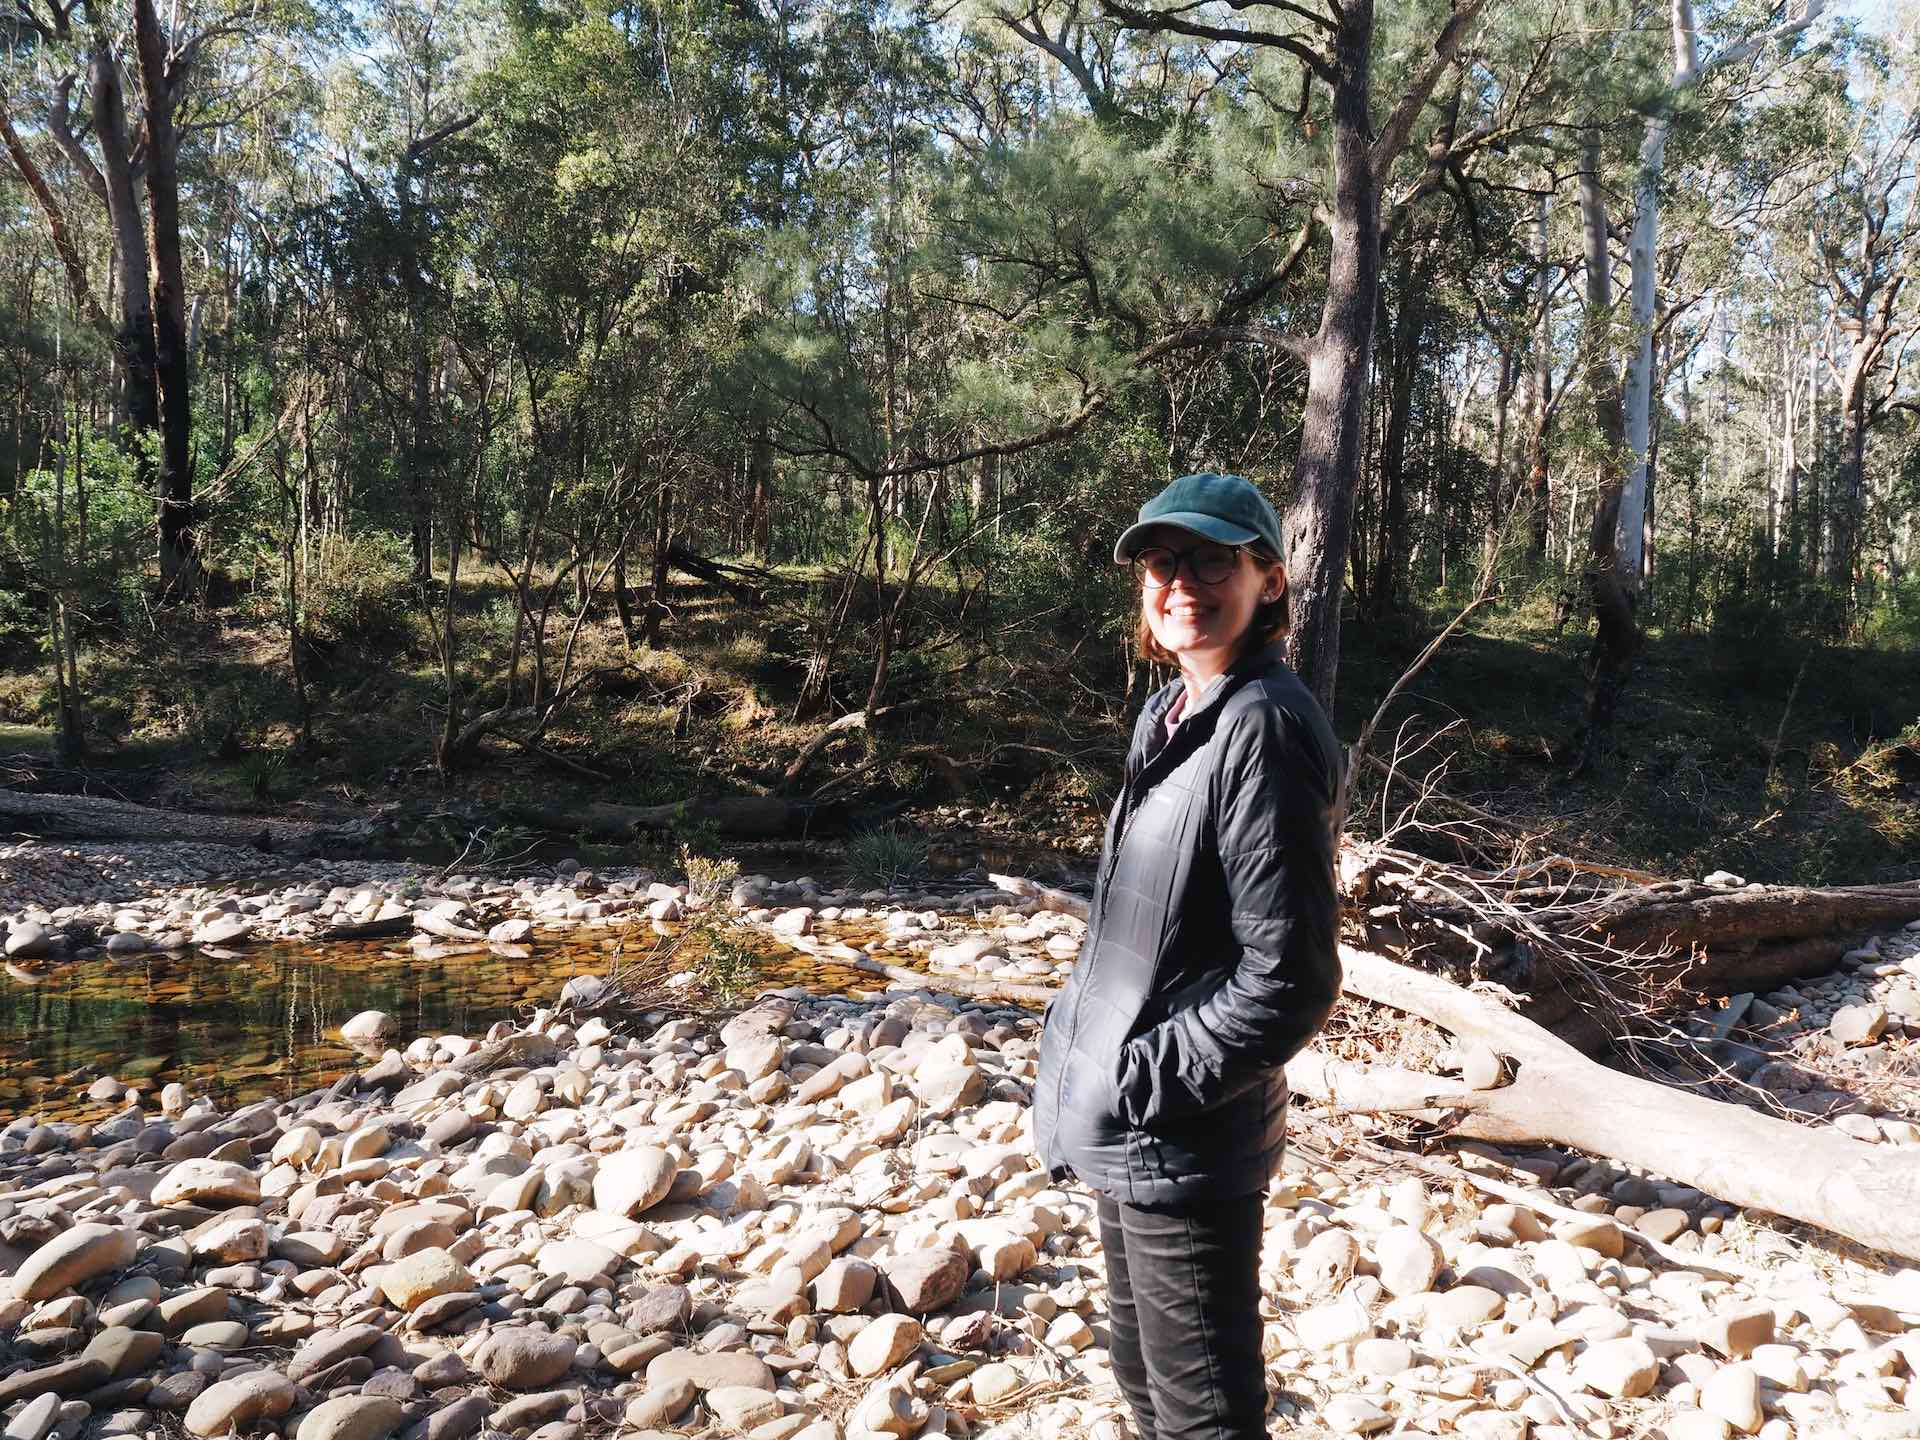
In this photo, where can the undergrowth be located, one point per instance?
(1766, 754)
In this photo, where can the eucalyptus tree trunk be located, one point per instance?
(1616, 635)
(760, 500)
(1540, 392)
(1391, 564)
(1643, 254)
(1850, 475)
(409, 203)
(1319, 528)
(114, 181)
(158, 88)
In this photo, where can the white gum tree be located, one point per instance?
(1689, 74)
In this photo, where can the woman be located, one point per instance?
(1209, 960)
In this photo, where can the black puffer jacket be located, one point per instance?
(1209, 957)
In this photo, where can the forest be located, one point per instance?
(741, 398)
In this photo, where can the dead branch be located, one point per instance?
(845, 725)
(836, 953)
(1559, 1096)
(1065, 902)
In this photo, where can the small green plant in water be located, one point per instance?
(725, 970)
(886, 857)
(709, 877)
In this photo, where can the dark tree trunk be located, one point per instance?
(1849, 483)
(1326, 474)
(419, 387)
(760, 502)
(622, 600)
(168, 288)
(1616, 636)
(1540, 400)
(662, 541)
(1404, 354)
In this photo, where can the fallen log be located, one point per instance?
(1590, 956)
(1740, 920)
(839, 954)
(90, 817)
(1064, 902)
(862, 720)
(388, 929)
(1557, 1095)
(736, 579)
(734, 817)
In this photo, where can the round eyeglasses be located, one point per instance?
(1157, 565)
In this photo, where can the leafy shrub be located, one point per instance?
(359, 587)
(261, 772)
(1895, 622)
(22, 628)
(724, 968)
(226, 720)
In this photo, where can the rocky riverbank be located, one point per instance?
(62, 902)
(821, 1218)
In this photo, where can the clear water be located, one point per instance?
(246, 1025)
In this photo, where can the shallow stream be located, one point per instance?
(264, 1022)
(242, 1025)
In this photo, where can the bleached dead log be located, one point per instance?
(1064, 902)
(1816, 1175)
(836, 953)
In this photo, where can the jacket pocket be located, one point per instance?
(1162, 1077)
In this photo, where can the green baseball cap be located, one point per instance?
(1223, 508)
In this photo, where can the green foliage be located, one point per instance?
(888, 857)
(1894, 622)
(228, 720)
(261, 772)
(20, 627)
(724, 969)
(359, 588)
(695, 836)
(80, 525)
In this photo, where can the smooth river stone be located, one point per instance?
(124, 1351)
(352, 1417)
(630, 1182)
(330, 1347)
(709, 1372)
(64, 1377)
(417, 1278)
(240, 1403)
(73, 1258)
(580, 1262)
(231, 1242)
(519, 1358)
(199, 1182)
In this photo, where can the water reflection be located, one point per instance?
(244, 1025)
(263, 1022)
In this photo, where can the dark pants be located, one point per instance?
(1183, 1291)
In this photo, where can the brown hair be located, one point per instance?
(1269, 625)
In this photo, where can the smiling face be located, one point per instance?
(1202, 623)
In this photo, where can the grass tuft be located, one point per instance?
(888, 857)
